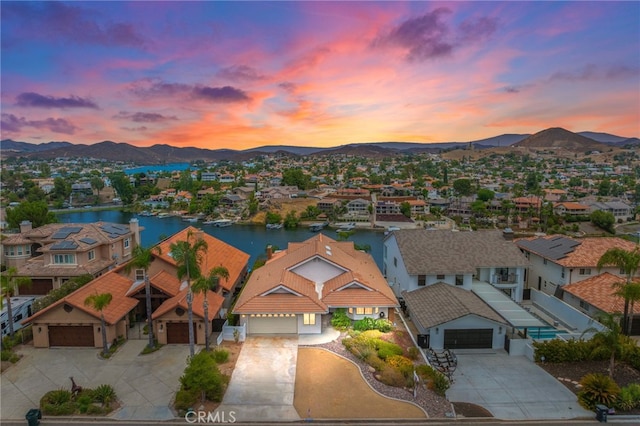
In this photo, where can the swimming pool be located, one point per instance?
(543, 333)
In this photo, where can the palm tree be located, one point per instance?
(203, 285)
(629, 292)
(99, 302)
(187, 256)
(142, 258)
(609, 341)
(10, 282)
(627, 261)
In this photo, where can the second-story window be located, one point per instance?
(126, 243)
(585, 271)
(92, 254)
(64, 259)
(459, 280)
(422, 280)
(139, 274)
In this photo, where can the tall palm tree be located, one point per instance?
(610, 341)
(188, 255)
(627, 261)
(99, 302)
(630, 292)
(8, 285)
(203, 285)
(142, 258)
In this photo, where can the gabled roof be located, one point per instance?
(441, 303)
(180, 300)
(572, 252)
(599, 291)
(163, 281)
(428, 252)
(111, 282)
(348, 266)
(218, 253)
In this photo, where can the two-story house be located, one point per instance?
(558, 260)
(52, 254)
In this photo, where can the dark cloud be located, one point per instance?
(144, 89)
(511, 89)
(220, 94)
(135, 129)
(31, 99)
(69, 23)
(288, 86)
(11, 123)
(591, 72)
(429, 36)
(240, 73)
(143, 117)
(472, 31)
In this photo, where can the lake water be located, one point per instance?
(158, 168)
(253, 240)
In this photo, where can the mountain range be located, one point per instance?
(159, 154)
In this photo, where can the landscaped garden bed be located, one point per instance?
(61, 402)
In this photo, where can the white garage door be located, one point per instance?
(267, 325)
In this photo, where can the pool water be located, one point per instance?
(544, 333)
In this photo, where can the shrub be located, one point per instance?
(104, 394)
(56, 397)
(375, 361)
(597, 389)
(361, 346)
(633, 357)
(413, 353)
(8, 355)
(57, 403)
(59, 410)
(340, 320)
(372, 334)
(387, 349)
(186, 399)
(435, 380)
(629, 397)
(367, 323)
(384, 325)
(393, 377)
(202, 375)
(403, 364)
(557, 350)
(94, 409)
(220, 356)
(83, 402)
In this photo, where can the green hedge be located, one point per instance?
(556, 351)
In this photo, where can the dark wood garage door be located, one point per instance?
(71, 335)
(178, 332)
(468, 339)
(38, 287)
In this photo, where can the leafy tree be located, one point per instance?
(291, 220)
(122, 186)
(36, 212)
(630, 293)
(296, 177)
(603, 220)
(202, 375)
(141, 259)
(272, 217)
(485, 194)
(462, 187)
(405, 208)
(203, 284)
(604, 187)
(99, 302)
(61, 188)
(8, 285)
(628, 261)
(97, 184)
(188, 256)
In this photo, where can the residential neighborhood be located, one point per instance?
(502, 253)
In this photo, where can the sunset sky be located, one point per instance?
(244, 74)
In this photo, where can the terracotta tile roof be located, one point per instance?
(586, 253)
(571, 206)
(598, 291)
(288, 271)
(111, 282)
(163, 281)
(180, 300)
(218, 253)
(440, 303)
(427, 252)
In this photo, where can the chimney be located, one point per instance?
(507, 234)
(269, 252)
(26, 226)
(199, 235)
(134, 227)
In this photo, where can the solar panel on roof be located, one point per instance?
(114, 230)
(65, 245)
(554, 249)
(88, 240)
(64, 232)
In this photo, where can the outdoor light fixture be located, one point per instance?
(499, 330)
(437, 330)
(200, 326)
(39, 329)
(98, 329)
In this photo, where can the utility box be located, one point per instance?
(601, 413)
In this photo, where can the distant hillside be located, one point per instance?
(603, 137)
(11, 145)
(359, 150)
(558, 137)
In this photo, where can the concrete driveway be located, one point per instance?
(145, 384)
(512, 388)
(263, 381)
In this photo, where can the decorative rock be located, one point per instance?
(371, 369)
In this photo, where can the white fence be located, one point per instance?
(230, 332)
(563, 312)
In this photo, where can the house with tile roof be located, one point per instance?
(567, 208)
(52, 254)
(596, 295)
(299, 286)
(68, 322)
(558, 260)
